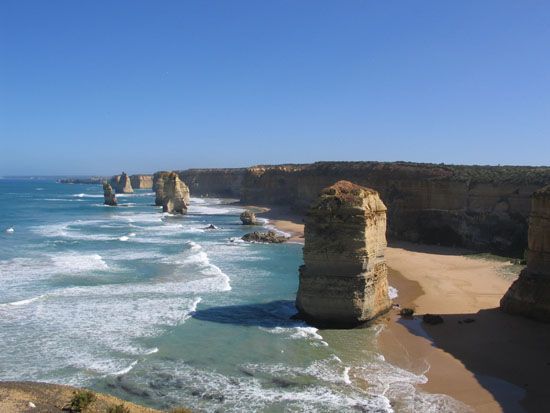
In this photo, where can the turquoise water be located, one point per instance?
(159, 310)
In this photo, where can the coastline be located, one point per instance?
(488, 360)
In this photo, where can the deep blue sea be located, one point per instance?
(161, 311)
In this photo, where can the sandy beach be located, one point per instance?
(489, 360)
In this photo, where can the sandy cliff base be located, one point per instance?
(492, 361)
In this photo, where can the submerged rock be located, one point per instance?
(267, 237)
(529, 295)
(344, 279)
(248, 218)
(176, 195)
(109, 195)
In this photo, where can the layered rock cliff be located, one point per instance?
(214, 182)
(176, 195)
(109, 195)
(121, 184)
(141, 181)
(484, 208)
(529, 295)
(344, 277)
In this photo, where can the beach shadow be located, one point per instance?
(269, 315)
(498, 349)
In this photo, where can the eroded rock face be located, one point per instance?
(141, 181)
(121, 184)
(158, 186)
(176, 195)
(344, 279)
(248, 218)
(109, 195)
(529, 295)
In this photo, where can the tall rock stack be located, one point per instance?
(344, 279)
(109, 195)
(124, 185)
(158, 186)
(529, 295)
(176, 195)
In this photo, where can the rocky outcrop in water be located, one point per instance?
(109, 195)
(176, 195)
(158, 186)
(269, 237)
(121, 184)
(248, 218)
(529, 295)
(343, 281)
(141, 181)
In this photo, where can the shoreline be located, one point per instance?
(479, 356)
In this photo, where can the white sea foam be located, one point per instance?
(125, 370)
(10, 230)
(123, 238)
(22, 302)
(346, 377)
(82, 195)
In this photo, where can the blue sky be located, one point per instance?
(103, 86)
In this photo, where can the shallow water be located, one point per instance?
(158, 310)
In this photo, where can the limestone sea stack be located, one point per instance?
(122, 184)
(248, 218)
(176, 195)
(158, 186)
(109, 195)
(529, 295)
(343, 281)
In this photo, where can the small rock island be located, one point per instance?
(344, 279)
(109, 195)
(529, 295)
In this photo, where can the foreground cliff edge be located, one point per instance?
(343, 281)
(33, 397)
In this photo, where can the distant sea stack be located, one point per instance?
(529, 295)
(344, 279)
(109, 195)
(158, 186)
(141, 181)
(176, 195)
(122, 184)
(248, 218)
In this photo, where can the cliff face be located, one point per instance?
(158, 186)
(122, 184)
(109, 195)
(141, 181)
(529, 295)
(344, 277)
(176, 195)
(483, 208)
(214, 182)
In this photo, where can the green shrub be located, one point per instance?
(81, 400)
(119, 408)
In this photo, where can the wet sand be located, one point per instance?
(489, 360)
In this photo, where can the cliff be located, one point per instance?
(529, 295)
(484, 208)
(122, 184)
(344, 277)
(176, 195)
(141, 181)
(214, 182)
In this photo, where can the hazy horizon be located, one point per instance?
(98, 87)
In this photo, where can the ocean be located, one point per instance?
(161, 311)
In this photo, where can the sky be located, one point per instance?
(97, 87)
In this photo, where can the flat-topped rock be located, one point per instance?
(344, 277)
(269, 237)
(529, 295)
